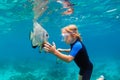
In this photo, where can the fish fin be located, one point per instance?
(41, 47)
(31, 35)
(40, 50)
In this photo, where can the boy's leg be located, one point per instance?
(80, 77)
(87, 75)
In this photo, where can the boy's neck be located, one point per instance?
(73, 41)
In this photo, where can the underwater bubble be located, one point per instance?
(117, 17)
(112, 10)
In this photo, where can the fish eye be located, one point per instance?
(47, 35)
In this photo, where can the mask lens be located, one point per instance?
(64, 36)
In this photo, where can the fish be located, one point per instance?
(38, 36)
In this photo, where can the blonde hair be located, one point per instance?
(72, 29)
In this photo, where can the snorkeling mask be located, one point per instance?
(64, 36)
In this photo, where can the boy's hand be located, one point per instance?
(50, 48)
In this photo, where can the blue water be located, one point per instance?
(98, 21)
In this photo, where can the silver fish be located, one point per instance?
(39, 36)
